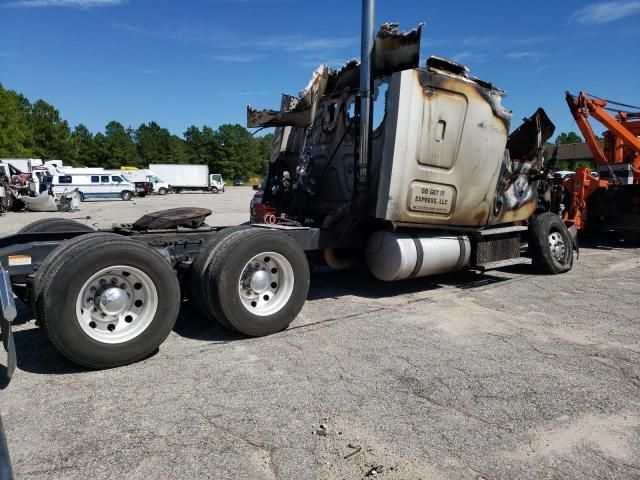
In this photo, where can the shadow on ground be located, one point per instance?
(605, 241)
(193, 324)
(37, 355)
(360, 283)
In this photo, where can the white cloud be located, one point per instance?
(479, 41)
(531, 40)
(231, 40)
(313, 62)
(525, 55)
(64, 3)
(293, 43)
(242, 94)
(605, 12)
(239, 58)
(466, 56)
(535, 56)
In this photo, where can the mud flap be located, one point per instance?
(573, 231)
(7, 315)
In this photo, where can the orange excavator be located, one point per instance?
(612, 201)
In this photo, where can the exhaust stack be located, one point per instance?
(366, 100)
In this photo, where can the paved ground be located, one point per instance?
(504, 375)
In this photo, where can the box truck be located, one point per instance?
(189, 177)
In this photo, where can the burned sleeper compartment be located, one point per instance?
(441, 158)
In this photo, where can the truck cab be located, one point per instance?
(159, 186)
(216, 183)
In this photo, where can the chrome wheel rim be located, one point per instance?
(266, 284)
(557, 246)
(116, 304)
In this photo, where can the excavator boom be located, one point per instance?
(622, 147)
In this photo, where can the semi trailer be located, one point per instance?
(438, 186)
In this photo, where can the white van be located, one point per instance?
(92, 185)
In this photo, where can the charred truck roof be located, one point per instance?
(440, 152)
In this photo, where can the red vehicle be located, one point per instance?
(143, 188)
(258, 210)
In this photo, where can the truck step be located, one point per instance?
(503, 263)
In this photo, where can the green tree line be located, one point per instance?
(36, 130)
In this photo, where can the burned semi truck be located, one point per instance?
(408, 169)
(443, 182)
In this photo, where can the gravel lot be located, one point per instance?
(228, 208)
(503, 375)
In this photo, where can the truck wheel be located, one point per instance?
(214, 189)
(631, 237)
(198, 270)
(550, 244)
(54, 225)
(50, 260)
(257, 281)
(162, 191)
(125, 195)
(105, 301)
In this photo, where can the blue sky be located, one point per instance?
(201, 61)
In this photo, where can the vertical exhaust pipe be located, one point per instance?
(366, 100)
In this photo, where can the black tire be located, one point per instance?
(214, 190)
(197, 274)
(125, 195)
(223, 274)
(631, 237)
(62, 278)
(54, 225)
(541, 229)
(49, 261)
(162, 191)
